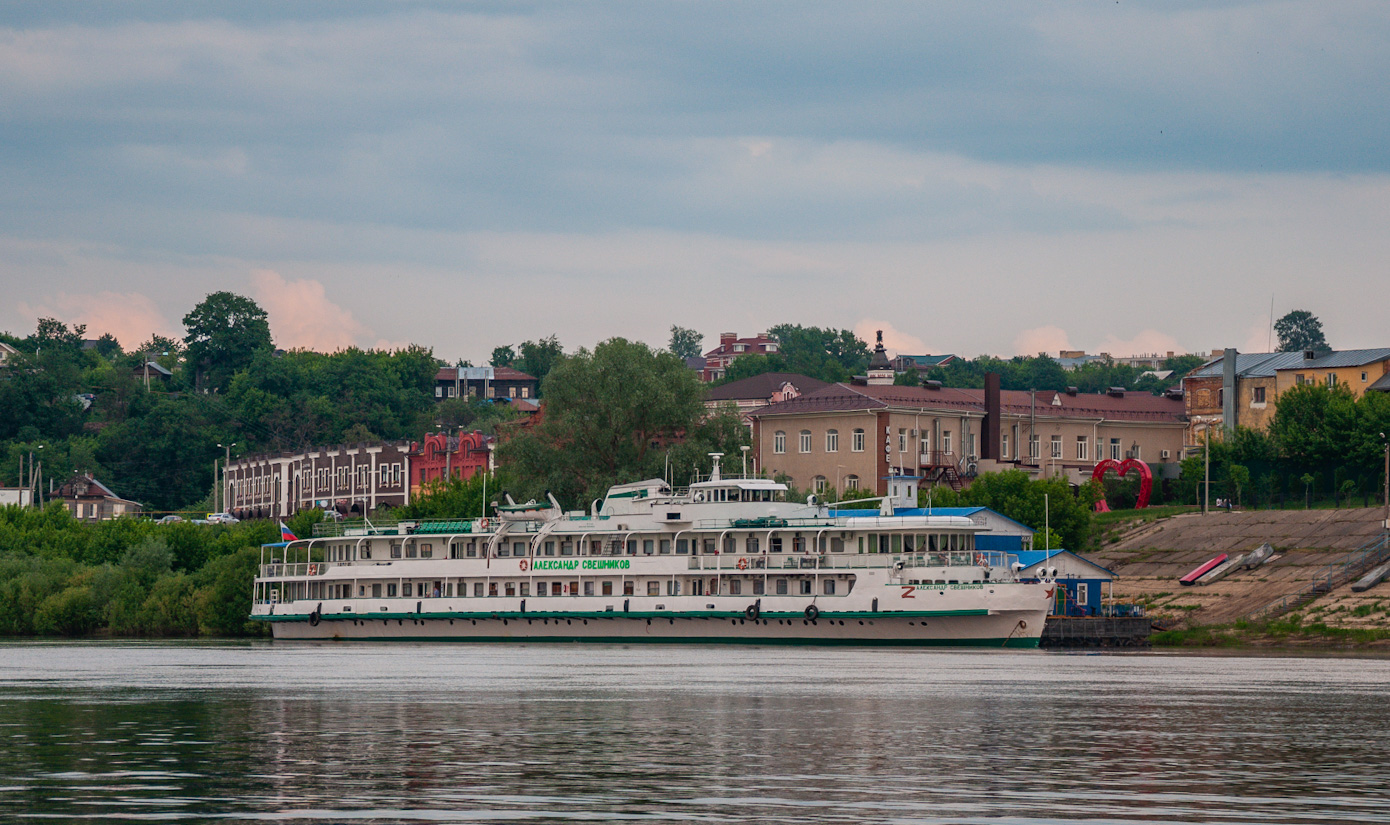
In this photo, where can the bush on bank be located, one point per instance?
(127, 577)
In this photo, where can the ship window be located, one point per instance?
(648, 547)
(519, 548)
(752, 544)
(504, 549)
(540, 588)
(376, 591)
(566, 549)
(653, 588)
(735, 587)
(781, 587)
(595, 548)
(665, 547)
(632, 547)
(805, 587)
(511, 588)
(525, 588)
(390, 590)
(774, 544)
(628, 588)
(798, 544)
(607, 589)
(730, 546)
(556, 589)
(426, 551)
(829, 587)
(837, 544)
(395, 551)
(405, 590)
(492, 588)
(682, 547)
(588, 588)
(757, 587)
(411, 550)
(673, 588)
(709, 548)
(477, 589)
(897, 543)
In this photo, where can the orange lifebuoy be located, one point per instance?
(313, 569)
(743, 564)
(525, 565)
(482, 523)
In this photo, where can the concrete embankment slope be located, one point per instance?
(1149, 560)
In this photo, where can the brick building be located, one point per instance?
(461, 455)
(854, 436)
(354, 479)
(731, 348)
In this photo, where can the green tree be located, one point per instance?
(502, 356)
(225, 332)
(608, 417)
(537, 357)
(827, 354)
(747, 366)
(685, 342)
(1181, 365)
(1034, 502)
(1300, 330)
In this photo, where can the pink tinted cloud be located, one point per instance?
(1146, 342)
(302, 316)
(1049, 339)
(130, 316)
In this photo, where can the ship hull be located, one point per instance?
(1010, 628)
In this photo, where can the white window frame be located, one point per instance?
(803, 442)
(1081, 449)
(779, 442)
(832, 441)
(856, 442)
(1055, 446)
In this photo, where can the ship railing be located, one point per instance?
(282, 570)
(811, 561)
(356, 527)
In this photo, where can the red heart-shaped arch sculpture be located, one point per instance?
(1146, 479)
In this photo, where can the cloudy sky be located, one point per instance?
(970, 177)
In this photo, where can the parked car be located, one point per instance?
(222, 518)
(169, 519)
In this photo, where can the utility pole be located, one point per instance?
(448, 458)
(223, 486)
(1206, 470)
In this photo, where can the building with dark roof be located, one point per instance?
(484, 382)
(90, 500)
(749, 394)
(1241, 389)
(920, 363)
(854, 436)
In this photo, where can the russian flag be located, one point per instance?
(285, 534)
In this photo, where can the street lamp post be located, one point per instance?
(1387, 480)
(222, 488)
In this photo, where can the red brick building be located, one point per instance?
(730, 348)
(461, 456)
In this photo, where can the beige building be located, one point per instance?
(1241, 389)
(853, 436)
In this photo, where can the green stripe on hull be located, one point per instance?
(608, 614)
(1011, 643)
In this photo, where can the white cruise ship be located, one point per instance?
(727, 560)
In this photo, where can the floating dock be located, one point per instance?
(1066, 632)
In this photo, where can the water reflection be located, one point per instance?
(685, 734)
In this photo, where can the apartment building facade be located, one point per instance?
(348, 479)
(853, 436)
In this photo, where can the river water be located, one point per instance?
(566, 733)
